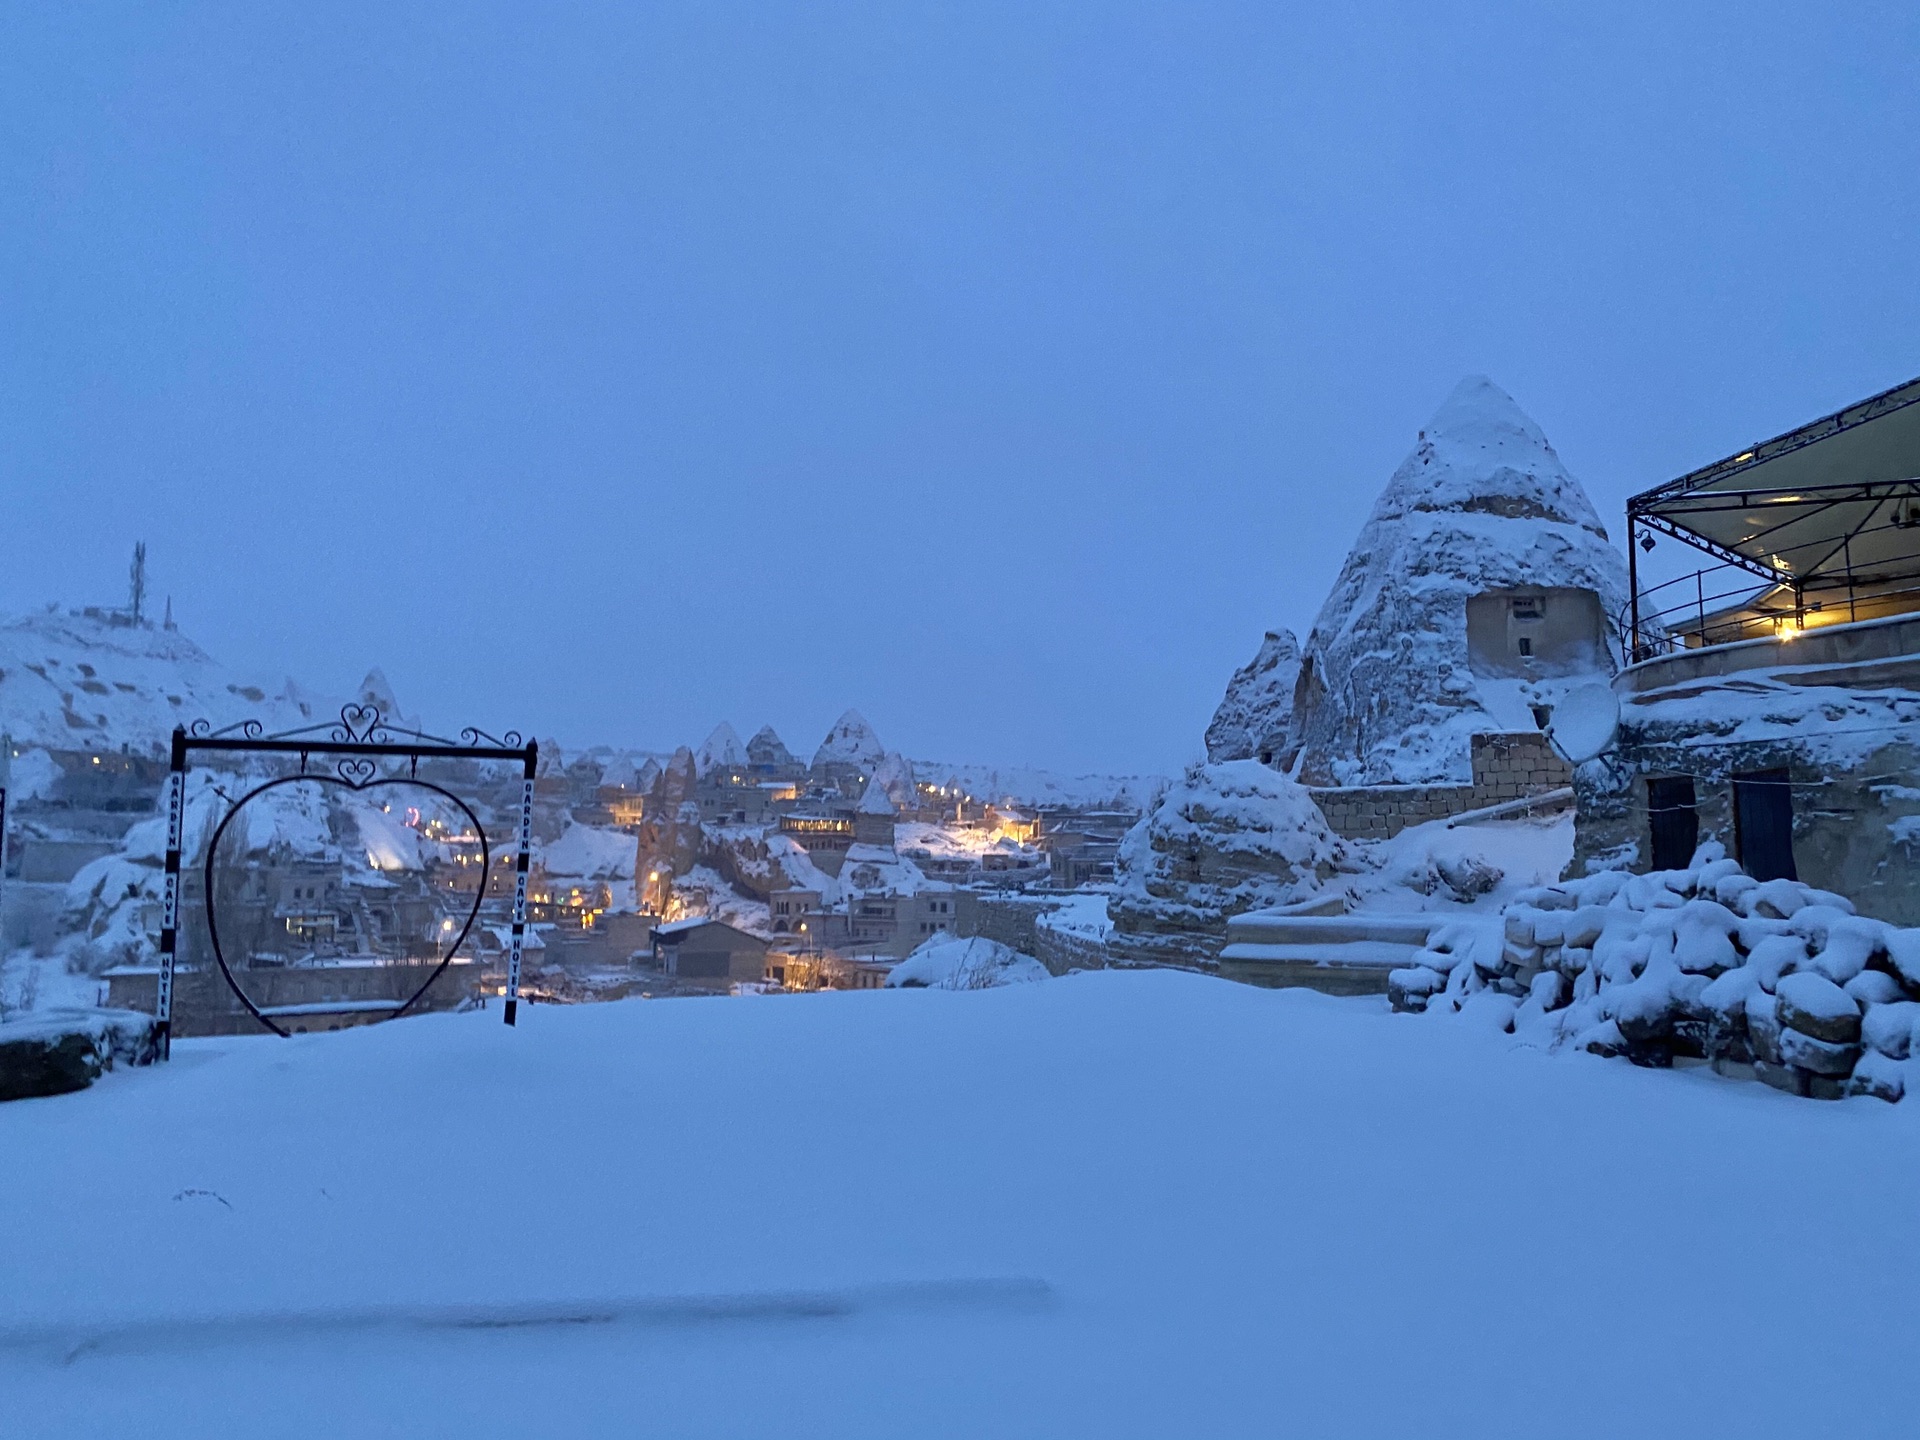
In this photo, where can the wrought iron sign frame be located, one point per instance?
(350, 750)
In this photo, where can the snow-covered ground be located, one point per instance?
(1118, 1204)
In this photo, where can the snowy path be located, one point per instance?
(1139, 1204)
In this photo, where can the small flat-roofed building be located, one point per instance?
(1774, 702)
(710, 952)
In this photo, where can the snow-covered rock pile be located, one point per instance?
(1226, 839)
(1777, 980)
(1254, 713)
(1386, 692)
(977, 963)
(55, 1052)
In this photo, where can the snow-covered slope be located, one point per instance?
(1111, 1205)
(1387, 695)
(71, 681)
(1035, 788)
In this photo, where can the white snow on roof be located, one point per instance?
(589, 852)
(692, 922)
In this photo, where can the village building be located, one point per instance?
(825, 836)
(794, 911)
(709, 952)
(1773, 704)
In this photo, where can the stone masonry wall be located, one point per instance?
(1506, 766)
(1010, 919)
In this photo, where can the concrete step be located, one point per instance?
(1333, 967)
(1266, 927)
(1363, 954)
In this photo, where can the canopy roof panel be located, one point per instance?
(1836, 502)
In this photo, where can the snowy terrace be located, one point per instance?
(1115, 1205)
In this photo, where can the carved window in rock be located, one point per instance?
(1536, 632)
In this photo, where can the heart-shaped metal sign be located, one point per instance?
(359, 775)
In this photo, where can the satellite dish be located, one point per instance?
(1584, 722)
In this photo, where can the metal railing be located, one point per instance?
(1703, 608)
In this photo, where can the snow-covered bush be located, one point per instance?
(977, 963)
(1779, 979)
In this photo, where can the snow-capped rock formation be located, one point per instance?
(875, 800)
(376, 691)
(670, 832)
(1387, 693)
(893, 777)
(852, 742)
(1251, 723)
(1227, 838)
(767, 748)
(719, 751)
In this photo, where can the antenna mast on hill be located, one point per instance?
(137, 579)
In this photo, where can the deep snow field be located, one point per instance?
(1119, 1204)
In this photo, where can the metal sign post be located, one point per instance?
(517, 944)
(354, 747)
(170, 903)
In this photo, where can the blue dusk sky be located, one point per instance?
(1004, 371)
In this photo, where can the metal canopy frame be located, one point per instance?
(1850, 528)
(351, 750)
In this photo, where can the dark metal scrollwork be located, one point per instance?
(474, 735)
(246, 729)
(362, 725)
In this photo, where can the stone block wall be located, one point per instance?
(1379, 812)
(1510, 765)
(1506, 766)
(1010, 919)
(1061, 952)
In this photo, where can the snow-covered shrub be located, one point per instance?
(1776, 979)
(977, 963)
